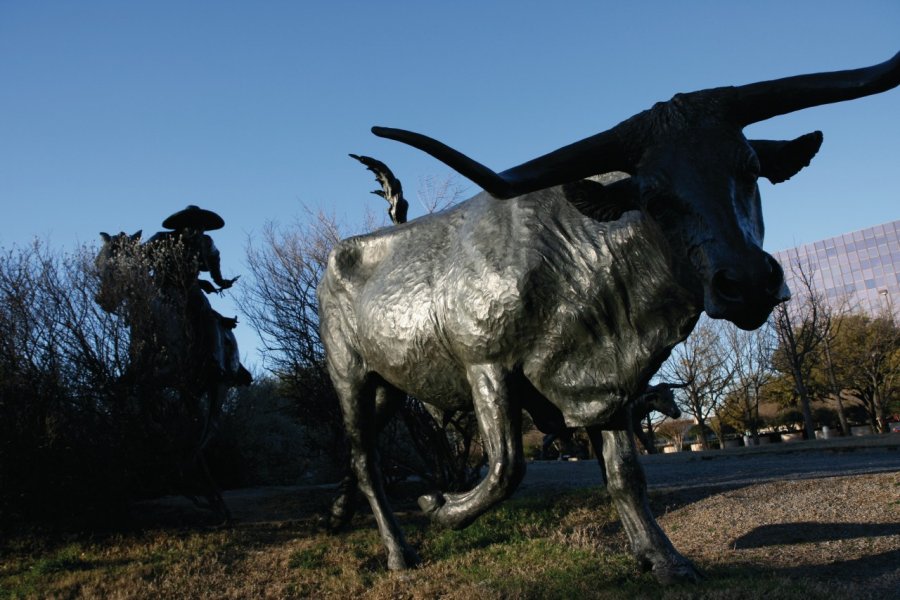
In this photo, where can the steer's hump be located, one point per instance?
(353, 260)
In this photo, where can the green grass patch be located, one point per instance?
(69, 558)
(308, 558)
(539, 568)
(23, 577)
(510, 523)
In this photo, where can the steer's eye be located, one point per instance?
(752, 167)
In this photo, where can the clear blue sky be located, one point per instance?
(115, 114)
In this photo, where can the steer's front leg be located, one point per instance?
(628, 488)
(500, 426)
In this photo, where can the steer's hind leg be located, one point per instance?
(628, 488)
(387, 400)
(500, 426)
(344, 506)
(358, 403)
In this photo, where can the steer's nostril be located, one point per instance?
(727, 287)
(776, 276)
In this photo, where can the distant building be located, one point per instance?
(860, 269)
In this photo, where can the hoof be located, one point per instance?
(335, 523)
(341, 514)
(681, 571)
(431, 503)
(446, 513)
(406, 559)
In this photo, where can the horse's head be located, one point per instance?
(117, 262)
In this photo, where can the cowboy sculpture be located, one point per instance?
(190, 252)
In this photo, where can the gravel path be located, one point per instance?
(840, 534)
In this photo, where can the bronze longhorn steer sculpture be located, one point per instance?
(566, 297)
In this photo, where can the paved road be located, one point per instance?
(687, 470)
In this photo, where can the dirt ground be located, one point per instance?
(842, 531)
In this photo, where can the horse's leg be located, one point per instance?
(215, 396)
(213, 494)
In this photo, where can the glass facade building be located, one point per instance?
(860, 270)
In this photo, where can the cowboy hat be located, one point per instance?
(196, 217)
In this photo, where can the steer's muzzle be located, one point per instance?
(745, 293)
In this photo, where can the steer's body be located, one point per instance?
(585, 311)
(562, 296)
(569, 322)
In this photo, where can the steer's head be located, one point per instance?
(694, 173)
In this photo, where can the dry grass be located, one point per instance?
(816, 538)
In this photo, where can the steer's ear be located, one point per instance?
(599, 201)
(781, 160)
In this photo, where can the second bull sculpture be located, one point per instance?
(563, 296)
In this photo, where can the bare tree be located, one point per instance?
(436, 194)
(280, 303)
(801, 325)
(700, 367)
(675, 431)
(834, 388)
(751, 357)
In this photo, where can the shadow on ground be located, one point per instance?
(806, 532)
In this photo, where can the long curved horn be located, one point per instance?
(760, 101)
(600, 153)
